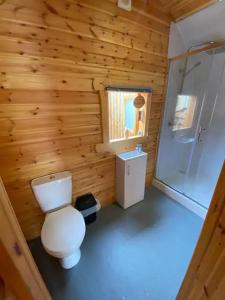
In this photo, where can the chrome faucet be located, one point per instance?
(139, 147)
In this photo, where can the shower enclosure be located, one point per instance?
(192, 140)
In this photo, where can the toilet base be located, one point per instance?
(70, 261)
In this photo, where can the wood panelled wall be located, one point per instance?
(55, 56)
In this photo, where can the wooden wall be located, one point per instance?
(55, 56)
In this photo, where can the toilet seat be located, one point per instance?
(63, 231)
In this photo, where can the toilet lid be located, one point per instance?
(63, 231)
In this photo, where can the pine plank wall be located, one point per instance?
(55, 56)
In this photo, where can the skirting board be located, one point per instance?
(183, 200)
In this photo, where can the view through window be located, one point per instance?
(127, 114)
(184, 112)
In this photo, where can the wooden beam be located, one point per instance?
(216, 44)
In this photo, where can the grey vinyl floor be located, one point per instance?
(135, 254)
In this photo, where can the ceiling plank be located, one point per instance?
(171, 10)
(184, 8)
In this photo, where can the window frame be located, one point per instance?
(105, 121)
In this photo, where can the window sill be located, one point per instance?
(121, 145)
(137, 137)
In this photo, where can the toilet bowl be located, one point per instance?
(62, 234)
(64, 228)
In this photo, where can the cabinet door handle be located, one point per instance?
(128, 170)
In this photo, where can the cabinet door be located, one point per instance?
(135, 180)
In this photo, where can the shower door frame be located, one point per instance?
(181, 198)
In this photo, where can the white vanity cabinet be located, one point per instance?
(130, 177)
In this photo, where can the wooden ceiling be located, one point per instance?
(171, 10)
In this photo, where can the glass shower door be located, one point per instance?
(209, 151)
(185, 96)
(192, 140)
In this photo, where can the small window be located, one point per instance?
(127, 114)
(184, 112)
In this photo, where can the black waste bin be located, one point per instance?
(88, 206)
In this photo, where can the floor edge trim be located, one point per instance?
(182, 199)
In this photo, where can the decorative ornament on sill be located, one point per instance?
(139, 101)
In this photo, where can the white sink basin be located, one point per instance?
(131, 154)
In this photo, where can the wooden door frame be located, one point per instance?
(211, 222)
(16, 258)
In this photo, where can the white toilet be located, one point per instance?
(64, 228)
